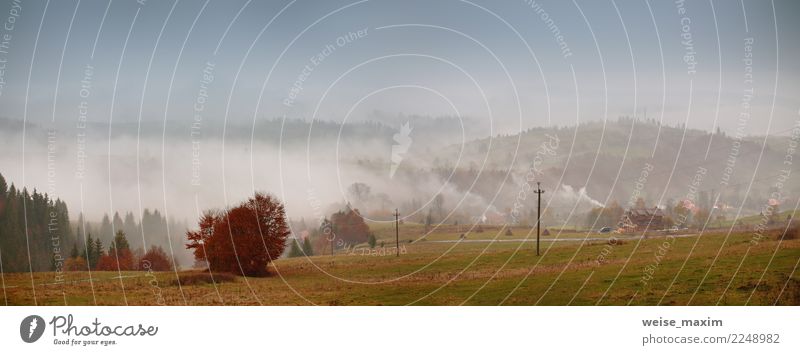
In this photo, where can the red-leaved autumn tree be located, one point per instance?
(155, 260)
(242, 239)
(349, 226)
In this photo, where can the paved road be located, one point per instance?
(592, 239)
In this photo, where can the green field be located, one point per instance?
(469, 272)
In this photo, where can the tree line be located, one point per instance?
(36, 235)
(118, 256)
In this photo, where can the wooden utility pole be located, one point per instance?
(397, 231)
(538, 192)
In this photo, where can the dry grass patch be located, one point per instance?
(791, 232)
(202, 278)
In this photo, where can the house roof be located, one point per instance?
(645, 212)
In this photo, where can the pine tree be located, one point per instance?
(120, 251)
(130, 228)
(372, 241)
(106, 231)
(98, 251)
(91, 255)
(74, 253)
(117, 221)
(120, 242)
(296, 250)
(95, 248)
(307, 250)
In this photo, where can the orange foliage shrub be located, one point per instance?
(76, 264)
(243, 239)
(156, 260)
(120, 260)
(105, 263)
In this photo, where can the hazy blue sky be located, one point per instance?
(504, 65)
(460, 50)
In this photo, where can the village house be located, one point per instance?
(641, 219)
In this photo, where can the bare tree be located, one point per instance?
(359, 192)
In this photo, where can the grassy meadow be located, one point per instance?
(445, 269)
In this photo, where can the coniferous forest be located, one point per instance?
(46, 242)
(36, 235)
